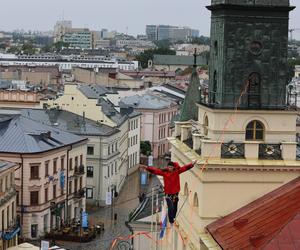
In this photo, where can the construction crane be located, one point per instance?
(292, 31)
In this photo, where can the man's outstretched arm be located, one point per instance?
(188, 166)
(152, 170)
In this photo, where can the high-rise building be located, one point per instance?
(60, 29)
(151, 32)
(168, 32)
(79, 38)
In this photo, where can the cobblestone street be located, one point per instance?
(125, 203)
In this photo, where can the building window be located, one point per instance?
(255, 131)
(205, 126)
(115, 167)
(108, 151)
(89, 171)
(89, 193)
(71, 164)
(186, 189)
(34, 198)
(34, 230)
(90, 150)
(81, 160)
(54, 166)
(70, 187)
(34, 172)
(216, 48)
(108, 171)
(54, 191)
(112, 170)
(76, 161)
(62, 163)
(46, 195)
(195, 201)
(46, 168)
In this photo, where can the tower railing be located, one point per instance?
(223, 100)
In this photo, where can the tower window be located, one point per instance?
(255, 131)
(186, 189)
(205, 126)
(216, 48)
(196, 202)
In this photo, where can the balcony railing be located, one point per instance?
(79, 193)
(270, 151)
(249, 101)
(233, 150)
(11, 232)
(79, 170)
(6, 196)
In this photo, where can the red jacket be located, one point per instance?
(171, 178)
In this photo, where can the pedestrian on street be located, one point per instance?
(171, 184)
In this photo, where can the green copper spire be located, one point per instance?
(189, 109)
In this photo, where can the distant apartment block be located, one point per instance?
(65, 62)
(174, 33)
(134, 43)
(60, 29)
(35, 73)
(79, 38)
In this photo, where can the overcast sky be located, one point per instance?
(111, 14)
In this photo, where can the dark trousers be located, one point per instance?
(172, 202)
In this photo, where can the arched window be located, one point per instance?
(255, 130)
(215, 87)
(216, 48)
(186, 189)
(254, 81)
(205, 126)
(195, 201)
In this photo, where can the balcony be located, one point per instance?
(188, 134)
(11, 232)
(249, 101)
(79, 193)
(6, 196)
(270, 152)
(79, 170)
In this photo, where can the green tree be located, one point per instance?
(147, 55)
(28, 48)
(14, 50)
(166, 44)
(145, 148)
(202, 40)
(60, 45)
(291, 67)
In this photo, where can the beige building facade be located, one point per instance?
(8, 207)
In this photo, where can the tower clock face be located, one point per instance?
(255, 48)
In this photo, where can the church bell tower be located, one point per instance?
(248, 55)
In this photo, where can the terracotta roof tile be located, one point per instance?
(270, 222)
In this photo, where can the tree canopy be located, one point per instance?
(147, 55)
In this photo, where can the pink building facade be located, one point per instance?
(155, 127)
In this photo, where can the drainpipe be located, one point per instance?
(22, 192)
(67, 184)
(100, 171)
